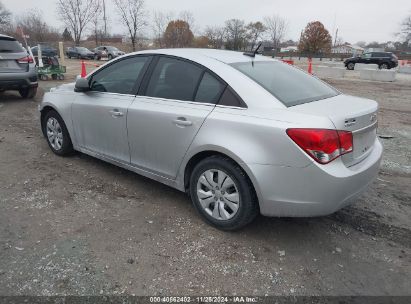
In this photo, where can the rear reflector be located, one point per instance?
(322, 145)
(26, 59)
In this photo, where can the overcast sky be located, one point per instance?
(367, 20)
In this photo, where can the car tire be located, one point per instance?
(228, 180)
(350, 66)
(110, 57)
(69, 57)
(54, 76)
(96, 58)
(56, 134)
(28, 92)
(384, 66)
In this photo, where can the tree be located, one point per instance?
(215, 36)
(178, 34)
(188, 17)
(132, 14)
(254, 32)
(67, 35)
(5, 17)
(34, 26)
(315, 39)
(406, 29)
(276, 29)
(201, 42)
(98, 25)
(77, 14)
(235, 34)
(160, 22)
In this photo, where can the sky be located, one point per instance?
(356, 20)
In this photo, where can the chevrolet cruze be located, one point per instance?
(242, 134)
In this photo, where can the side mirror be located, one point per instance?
(81, 85)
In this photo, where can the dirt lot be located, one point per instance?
(79, 226)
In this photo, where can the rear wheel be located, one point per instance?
(222, 193)
(28, 92)
(56, 133)
(384, 66)
(351, 66)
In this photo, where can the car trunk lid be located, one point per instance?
(9, 62)
(348, 113)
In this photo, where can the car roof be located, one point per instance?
(7, 37)
(219, 55)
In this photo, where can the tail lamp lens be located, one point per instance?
(26, 59)
(322, 145)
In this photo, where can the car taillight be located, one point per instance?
(26, 59)
(323, 145)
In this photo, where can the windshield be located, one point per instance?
(288, 84)
(10, 46)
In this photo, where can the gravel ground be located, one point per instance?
(79, 226)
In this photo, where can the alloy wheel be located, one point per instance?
(54, 133)
(218, 194)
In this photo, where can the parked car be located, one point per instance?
(109, 52)
(46, 50)
(79, 53)
(17, 69)
(384, 60)
(240, 135)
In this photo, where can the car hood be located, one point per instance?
(67, 87)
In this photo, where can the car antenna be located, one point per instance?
(253, 53)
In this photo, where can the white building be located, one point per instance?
(347, 49)
(289, 49)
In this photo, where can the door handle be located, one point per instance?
(116, 113)
(182, 121)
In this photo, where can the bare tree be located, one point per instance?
(254, 32)
(77, 14)
(406, 29)
(133, 16)
(99, 28)
(188, 17)
(235, 34)
(276, 29)
(160, 22)
(215, 36)
(33, 25)
(5, 16)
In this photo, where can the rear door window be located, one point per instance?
(174, 79)
(10, 46)
(210, 89)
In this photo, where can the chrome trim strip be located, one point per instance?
(372, 126)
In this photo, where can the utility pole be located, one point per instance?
(105, 19)
(336, 36)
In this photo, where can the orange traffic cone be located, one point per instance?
(83, 70)
(310, 66)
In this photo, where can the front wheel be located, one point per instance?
(56, 133)
(110, 57)
(222, 193)
(350, 66)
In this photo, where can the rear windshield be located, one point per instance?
(288, 84)
(10, 46)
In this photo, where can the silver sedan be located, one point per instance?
(242, 134)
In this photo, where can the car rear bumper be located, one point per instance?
(314, 190)
(15, 81)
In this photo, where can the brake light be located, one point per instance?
(26, 59)
(322, 145)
